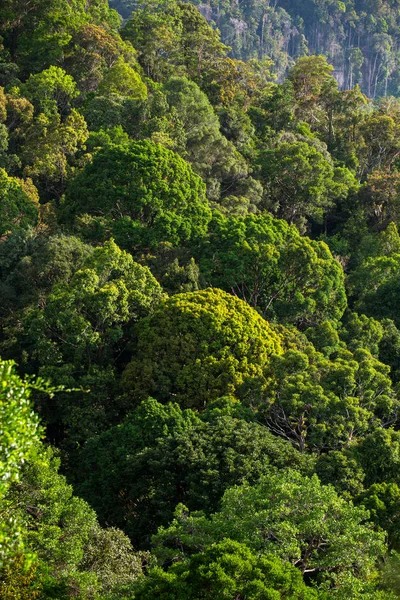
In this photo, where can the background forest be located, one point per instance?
(359, 37)
(199, 316)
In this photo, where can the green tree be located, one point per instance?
(389, 348)
(74, 555)
(51, 91)
(198, 346)
(359, 331)
(273, 108)
(31, 262)
(325, 403)
(121, 79)
(173, 38)
(381, 197)
(312, 82)
(380, 147)
(107, 111)
(161, 455)
(226, 570)
(92, 50)
(322, 534)
(19, 118)
(79, 334)
(20, 431)
(342, 470)
(49, 150)
(390, 574)
(145, 193)
(36, 35)
(176, 274)
(17, 208)
(201, 46)
(300, 182)
(264, 261)
(155, 30)
(379, 456)
(374, 286)
(212, 156)
(383, 502)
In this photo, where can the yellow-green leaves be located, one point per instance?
(121, 79)
(17, 208)
(199, 346)
(19, 430)
(51, 91)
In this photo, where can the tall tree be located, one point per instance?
(142, 192)
(198, 346)
(323, 535)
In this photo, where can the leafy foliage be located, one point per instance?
(267, 264)
(326, 403)
(225, 570)
(300, 182)
(17, 209)
(231, 153)
(322, 534)
(144, 193)
(137, 472)
(197, 347)
(73, 552)
(76, 337)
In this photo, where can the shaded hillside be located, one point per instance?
(361, 38)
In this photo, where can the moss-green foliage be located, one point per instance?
(325, 403)
(72, 551)
(160, 456)
(200, 140)
(197, 347)
(376, 285)
(300, 182)
(173, 36)
(32, 262)
(225, 570)
(17, 209)
(383, 502)
(36, 36)
(77, 337)
(110, 289)
(144, 193)
(153, 133)
(289, 515)
(267, 263)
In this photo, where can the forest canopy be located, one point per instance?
(199, 317)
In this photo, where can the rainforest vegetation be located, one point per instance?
(199, 300)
